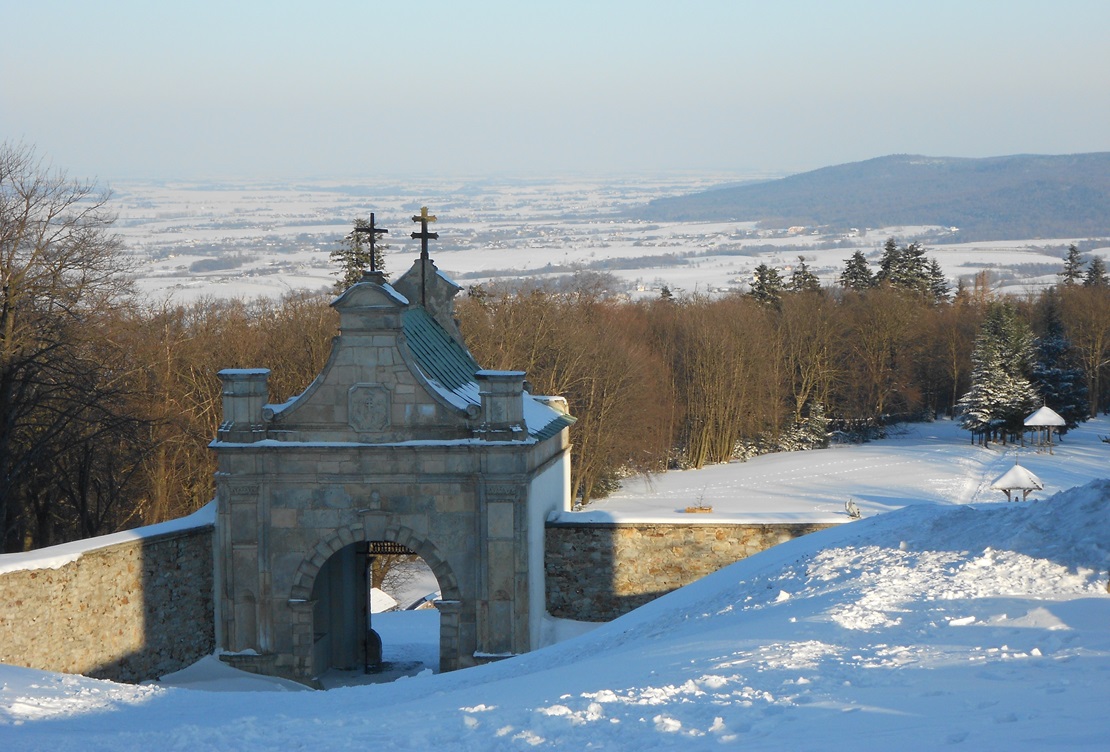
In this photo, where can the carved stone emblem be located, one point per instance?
(368, 407)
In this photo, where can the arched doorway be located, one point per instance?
(339, 632)
(351, 595)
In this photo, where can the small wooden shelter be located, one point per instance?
(1042, 424)
(1017, 478)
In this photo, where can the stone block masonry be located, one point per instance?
(598, 571)
(129, 611)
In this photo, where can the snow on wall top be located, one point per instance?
(55, 557)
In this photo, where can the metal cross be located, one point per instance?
(374, 232)
(424, 218)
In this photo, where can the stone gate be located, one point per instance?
(401, 438)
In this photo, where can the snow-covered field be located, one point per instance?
(918, 463)
(959, 620)
(191, 240)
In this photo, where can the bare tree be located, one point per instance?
(1086, 314)
(809, 340)
(59, 269)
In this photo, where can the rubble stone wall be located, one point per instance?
(598, 571)
(130, 611)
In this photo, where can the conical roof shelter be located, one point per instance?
(1045, 416)
(1042, 424)
(1017, 478)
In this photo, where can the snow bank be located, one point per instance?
(942, 624)
(986, 625)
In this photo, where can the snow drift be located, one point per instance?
(985, 625)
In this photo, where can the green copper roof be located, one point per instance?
(448, 366)
(441, 358)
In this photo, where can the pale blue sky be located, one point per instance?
(205, 89)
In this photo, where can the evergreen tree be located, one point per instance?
(938, 283)
(1073, 267)
(353, 256)
(905, 268)
(767, 285)
(816, 427)
(1055, 375)
(914, 269)
(802, 279)
(1096, 273)
(1001, 395)
(857, 274)
(890, 263)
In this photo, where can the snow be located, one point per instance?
(278, 238)
(1017, 477)
(55, 557)
(954, 621)
(381, 601)
(1045, 416)
(920, 463)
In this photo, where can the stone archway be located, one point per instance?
(301, 599)
(402, 437)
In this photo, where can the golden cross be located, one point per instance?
(424, 218)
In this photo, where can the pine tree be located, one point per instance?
(802, 279)
(890, 263)
(1073, 267)
(353, 256)
(767, 285)
(1001, 395)
(1055, 376)
(1096, 273)
(914, 269)
(857, 274)
(816, 427)
(938, 283)
(905, 268)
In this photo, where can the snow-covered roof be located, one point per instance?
(1017, 477)
(1045, 416)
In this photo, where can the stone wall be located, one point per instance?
(598, 571)
(129, 611)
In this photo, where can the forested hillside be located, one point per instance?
(1021, 196)
(108, 403)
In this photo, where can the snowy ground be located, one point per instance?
(191, 240)
(957, 621)
(918, 463)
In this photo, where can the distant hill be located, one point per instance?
(1020, 196)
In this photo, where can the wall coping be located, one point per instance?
(56, 557)
(563, 521)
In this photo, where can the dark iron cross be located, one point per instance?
(424, 218)
(373, 232)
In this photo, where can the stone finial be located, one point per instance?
(502, 394)
(426, 285)
(244, 393)
(370, 306)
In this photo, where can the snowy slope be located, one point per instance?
(918, 463)
(984, 626)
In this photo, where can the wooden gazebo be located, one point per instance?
(1017, 478)
(1042, 424)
